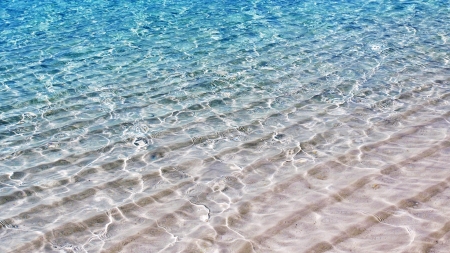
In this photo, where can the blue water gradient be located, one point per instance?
(147, 84)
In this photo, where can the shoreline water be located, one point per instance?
(267, 127)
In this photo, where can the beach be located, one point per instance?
(258, 126)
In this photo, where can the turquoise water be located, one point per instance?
(195, 126)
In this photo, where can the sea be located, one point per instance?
(225, 126)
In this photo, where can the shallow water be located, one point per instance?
(191, 126)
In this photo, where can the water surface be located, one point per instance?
(229, 126)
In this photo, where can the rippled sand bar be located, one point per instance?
(232, 126)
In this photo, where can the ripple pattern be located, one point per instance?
(234, 126)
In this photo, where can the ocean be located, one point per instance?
(224, 126)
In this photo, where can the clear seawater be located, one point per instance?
(224, 126)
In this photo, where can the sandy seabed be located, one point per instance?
(325, 181)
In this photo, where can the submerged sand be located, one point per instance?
(329, 179)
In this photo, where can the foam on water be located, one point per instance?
(192, 126)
